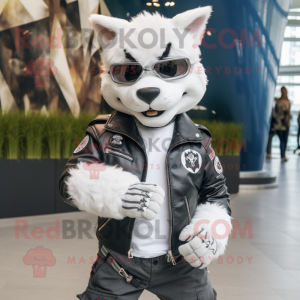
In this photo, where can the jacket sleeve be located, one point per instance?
(92, 186)
(213, 189)
(89, 153)
(213, 203)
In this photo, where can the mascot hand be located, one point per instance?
(142, 200)
(200, 250)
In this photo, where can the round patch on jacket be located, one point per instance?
(218, 165)
(116, 140)
(82, 144)
(191, 160)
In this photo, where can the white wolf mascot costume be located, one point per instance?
(147, 171)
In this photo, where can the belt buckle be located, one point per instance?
(123, 273)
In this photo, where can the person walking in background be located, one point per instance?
(298, 135)
(283, 116)
(272, 132)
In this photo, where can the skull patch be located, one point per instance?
(218, 165)
(116, 141)
(191, 160)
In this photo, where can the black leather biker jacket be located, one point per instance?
(199, 181)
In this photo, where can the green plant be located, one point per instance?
(226, 136)
(36, 136)
(3, 132)
(12, 135)
(53, 129)
(33, 131)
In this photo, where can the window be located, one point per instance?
(289, 74)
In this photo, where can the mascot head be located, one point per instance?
(153, 70)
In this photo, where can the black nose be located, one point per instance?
(148, 94)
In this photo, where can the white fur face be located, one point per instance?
(176, 96)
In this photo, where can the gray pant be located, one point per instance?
(162, 278)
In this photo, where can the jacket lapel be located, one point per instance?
(185, 130)
(125, 124)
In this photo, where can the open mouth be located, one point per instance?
(150, 113)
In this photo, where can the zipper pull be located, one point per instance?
(130, 255)
(170, 257)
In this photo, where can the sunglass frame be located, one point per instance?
(144, 69)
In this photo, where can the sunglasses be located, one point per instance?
(167, 69)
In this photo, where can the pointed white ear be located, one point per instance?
(194, 21)
(106, 28)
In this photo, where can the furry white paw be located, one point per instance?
(101, 195)
(201, 250)
(142, 200)
(209, 215)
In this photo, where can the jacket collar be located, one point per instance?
(124, 124)
(185, 129)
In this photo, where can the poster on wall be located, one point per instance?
(49, 57)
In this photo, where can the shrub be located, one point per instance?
(226, 136)
(36, 136)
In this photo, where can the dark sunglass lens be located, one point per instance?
(166, 69)
(126, 73)
(133, 72)
(115, 70)
(171, 68)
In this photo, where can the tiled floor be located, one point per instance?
(265, 267)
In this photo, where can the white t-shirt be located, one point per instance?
(151, 238)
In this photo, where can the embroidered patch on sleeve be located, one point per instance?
(191, 160)
(82, 145)
(217, 165)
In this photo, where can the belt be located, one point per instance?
(121, 271)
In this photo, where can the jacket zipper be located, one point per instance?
(188, 209)
(104, 224)
(144, 176)
(170, 257)
(118, 153)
